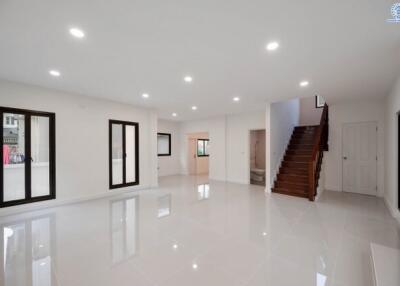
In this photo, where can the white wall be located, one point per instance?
(392, 107)
(82, 138)
(229, 144)
(238, 144)
(284, 117)
(170, 165)
(351, 112)
(309, 115)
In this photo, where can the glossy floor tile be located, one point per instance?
(192, 231)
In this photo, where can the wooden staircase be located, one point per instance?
(301, 166)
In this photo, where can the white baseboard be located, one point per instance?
(241, 182)
(332, 188)
(59, 202)
(395, 213)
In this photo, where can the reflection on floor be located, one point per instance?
(192, 231)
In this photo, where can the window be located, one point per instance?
(27, 149)
(123, 154)
(202, 147)
(164, 144)
(319, 101)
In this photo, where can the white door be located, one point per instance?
(360, 158)
(192, 149)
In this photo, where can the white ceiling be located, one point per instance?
(344, 48)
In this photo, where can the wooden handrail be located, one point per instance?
(320, 144)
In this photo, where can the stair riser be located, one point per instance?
(299, 135)
(295, 165)
(308, 132)
(292, 178)
(306, 127)
(291, 186)
(293, 171)
(298, 152)
(296, 158)
(302, 141)
(290, 193)
(300, 147)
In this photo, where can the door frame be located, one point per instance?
(28, 163)
(192, 158)
(398, 160)
(248, 151)
(124, 124)
(376, 161)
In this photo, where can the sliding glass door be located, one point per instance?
(27, 147)
(123, 153)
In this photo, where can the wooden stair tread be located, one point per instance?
(290, 192)
(292, 178)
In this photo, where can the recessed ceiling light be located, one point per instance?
(272, 46)
(304, 83)
(188, 79)
(175, 246)
(54, 73)
(236, 99)
(145, 95)
(194, 107)
(174, 114)
(264, 233)
(77, 33)
(194, 266)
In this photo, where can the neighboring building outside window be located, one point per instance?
(202, 147)
(319, 101)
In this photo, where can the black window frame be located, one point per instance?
(316, 102)
(204, 147)
(169, 145)
(137, 173)
(28, 162)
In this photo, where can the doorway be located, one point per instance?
(257, 157)
(123, 154)
(359, 158)
(27, 149)
(198, 153)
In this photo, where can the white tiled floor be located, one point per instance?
(189, 232)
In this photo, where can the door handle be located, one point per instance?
(344, 158)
